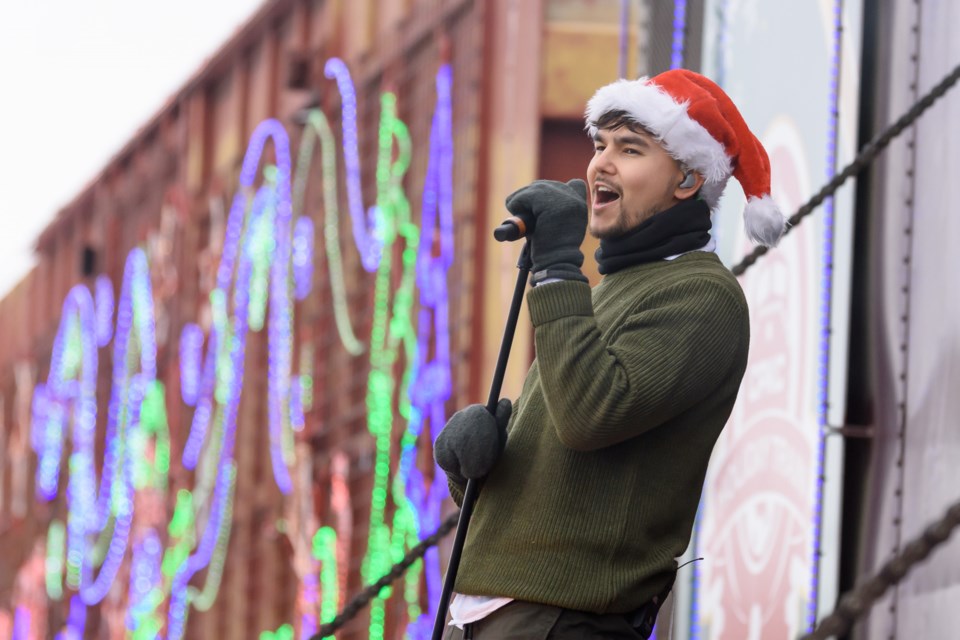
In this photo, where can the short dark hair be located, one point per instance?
(618, 118)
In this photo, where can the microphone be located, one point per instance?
(514, 228)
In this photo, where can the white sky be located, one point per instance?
(77, 79)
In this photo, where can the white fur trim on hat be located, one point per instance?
(763, 221)
(683, 137)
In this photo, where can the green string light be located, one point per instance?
(153, 424)
(204, 600)
(392, 343)
(182, 536)
(56, 550)
(392, 329)
(325, 552)
(73, 350)
(263, 245)
(283, 632)
(318, 126)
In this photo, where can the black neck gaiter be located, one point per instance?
(681, 228)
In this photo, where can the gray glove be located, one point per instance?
(471, 442)
(560, 213)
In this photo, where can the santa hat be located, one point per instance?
(698, 124)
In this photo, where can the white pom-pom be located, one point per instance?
(763, 221)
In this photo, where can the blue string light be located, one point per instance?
(104, 306)
(679, 33)
(191, 352)
(826, 293)
(267, 254)
(369, 244)
(432, 386)
(21, 624)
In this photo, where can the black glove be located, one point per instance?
(560, 213)
(472, 441)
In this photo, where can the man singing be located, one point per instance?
(592, 481)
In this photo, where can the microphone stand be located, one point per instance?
(473, 486)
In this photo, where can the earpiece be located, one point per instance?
(688, 180)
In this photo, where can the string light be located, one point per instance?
(180, 531)
(283, 632)
(303, 257)
(317, 125)
(145, 576)
(76, 621)
(391, 328)
(432, 379)
(369, 245)
(826, 292)
(71, 389)
(134, 334)
(267, 254)
(104, 307)
(245, 263)
(191, 346)
(21, 624)
(54, 565)
(325, 552)
(679, 33)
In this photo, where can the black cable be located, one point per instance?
(857, 602)
(869, 152)
(359, 601)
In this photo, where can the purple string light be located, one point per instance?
(104, 305)
(145, 575)
(92, 510)
(826, 292)
(21, 624)
(71, 390)
(134, 313)
(368, 243)
(62, 394)
(432, 380)
(303, 257)
(191, 347)
(76, 621)
(679, 33)
(281, 395)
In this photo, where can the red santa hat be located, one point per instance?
(698, 124)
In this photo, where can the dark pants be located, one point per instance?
(529, 621)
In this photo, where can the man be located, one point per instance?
(591, 489)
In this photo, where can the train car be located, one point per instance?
(220, 384)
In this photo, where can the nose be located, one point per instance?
(603, 163)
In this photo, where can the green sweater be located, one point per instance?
(598, 486)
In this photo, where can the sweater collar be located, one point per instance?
(682, 228)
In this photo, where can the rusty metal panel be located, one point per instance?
(189, 157)
(577, 59)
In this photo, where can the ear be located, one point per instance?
(686, 190)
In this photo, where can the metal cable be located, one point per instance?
(857, 602)
(869, 152)
(359, 601)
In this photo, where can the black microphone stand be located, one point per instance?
(473, 486)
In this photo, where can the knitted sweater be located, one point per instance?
(598, 486)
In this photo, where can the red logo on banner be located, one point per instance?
(758, 511)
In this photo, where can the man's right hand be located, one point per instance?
(560, 213)
(471, 442)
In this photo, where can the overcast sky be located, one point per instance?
(77, 79)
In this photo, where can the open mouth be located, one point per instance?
(604, 195)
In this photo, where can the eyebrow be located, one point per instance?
(625, 139)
